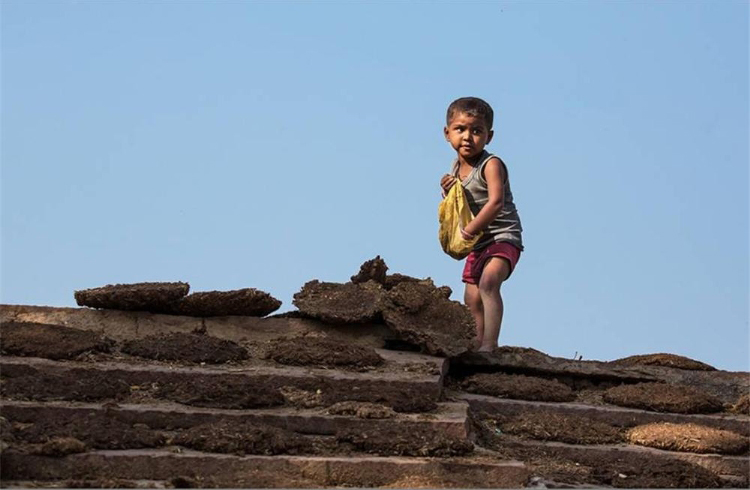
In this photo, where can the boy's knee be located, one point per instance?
(473, 298)
(474, 302)
(495, 272)
(490, 285)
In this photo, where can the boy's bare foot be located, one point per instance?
(476, 344)
(486, 348)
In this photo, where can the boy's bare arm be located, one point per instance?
(494, 174)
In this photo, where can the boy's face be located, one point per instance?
(467, 134)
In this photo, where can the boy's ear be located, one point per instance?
(445, 133)
(490, 134)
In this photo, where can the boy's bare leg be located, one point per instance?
(495, 271)
(473, 300)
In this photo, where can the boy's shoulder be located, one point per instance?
(494, 163)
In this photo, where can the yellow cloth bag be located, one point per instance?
(454, 214)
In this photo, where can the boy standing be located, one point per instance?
(485, 179)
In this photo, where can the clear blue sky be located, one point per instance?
(265, 144)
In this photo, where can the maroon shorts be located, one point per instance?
(477, 258)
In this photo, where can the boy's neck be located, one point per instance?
(471, 162)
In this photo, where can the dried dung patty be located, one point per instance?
(59, 446)
(419, 481)
(71, 384)
(394, 441)
(421, 314)
(393, 280)
(309, 351)
(517, 386)
(109, 483)
(340, 303)
(372, 270)
(617, 469)
(50, 341)
(155, 297)
(692, 438)
(185, 347)
(652, 472)
(363, 410)
(227, 391)
(742, 406)
(242, 438)
(667, 360)
(240, 302)
(549, 426)
(402, 396)
(661, 397)
(96, 430)
(299, 398)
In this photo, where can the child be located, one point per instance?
(485, 180)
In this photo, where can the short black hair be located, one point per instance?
(473, 106)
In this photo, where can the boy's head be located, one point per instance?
(472, 106)
(468, 127)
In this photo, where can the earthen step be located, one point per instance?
(609, 414)
(217, 386)
(88, 483)
(449, 419)
(729, 466)
(725, 385)
(126, 325)
(212, 470)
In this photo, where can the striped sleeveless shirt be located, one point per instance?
(506, 227)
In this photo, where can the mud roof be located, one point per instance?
(370, 383)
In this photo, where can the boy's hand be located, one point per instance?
(466, 235)
(447, 182)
